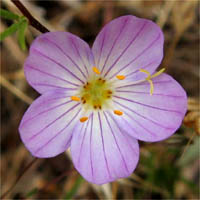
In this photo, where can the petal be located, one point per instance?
(151, 118)
(101, 152)
(58, 60)
(46, 127)
(126, 45)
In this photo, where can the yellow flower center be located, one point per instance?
(96, 93)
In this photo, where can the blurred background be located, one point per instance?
(166, 170)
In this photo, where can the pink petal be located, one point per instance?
(101, 151)
(58, 60)
(126, 45)
(46, 127)
(151, 118)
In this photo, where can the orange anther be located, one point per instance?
(96, 70)
(83, 119)
(120, 77)
(118, 112)
(74, 98)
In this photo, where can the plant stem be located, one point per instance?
(32, 21)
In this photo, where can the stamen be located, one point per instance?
(83, 119)
(118, 112)
(74, 98)
(120, 77)
(149, 77)
(96, 70)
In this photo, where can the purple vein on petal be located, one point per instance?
(163, 109)
(125, 22)
(54, 86)
(49, 109)
(139, 92)
(59, 64)
(139, 124)
(122, 132)
(51, 75)
(128, 108)
(91, 163)
(40, 148)
(74, 44)
(66, 56)
(134, 38)
(144, 67)
(102, 44)
(102, 140)
(84, 134)
(144, 83)
(127, 123)
(131, 62)
(156, 82)
(68, 143)
(51, 123)
(124, 162)
(89, 58)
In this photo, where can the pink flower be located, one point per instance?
(101, 101)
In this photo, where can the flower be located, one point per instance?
(101, 101)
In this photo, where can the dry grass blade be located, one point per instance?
(18, 93)
(164, 13)
(150, 185)
(182, 17)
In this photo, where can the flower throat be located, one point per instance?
(96, 93)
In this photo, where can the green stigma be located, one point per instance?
(96, 93)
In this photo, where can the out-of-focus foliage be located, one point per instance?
(167, 169)
(8, 15)
(19, 25)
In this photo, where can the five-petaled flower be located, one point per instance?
(101, 101)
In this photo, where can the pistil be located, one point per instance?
(149, 78)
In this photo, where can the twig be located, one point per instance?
(18, 178)
(32, 21)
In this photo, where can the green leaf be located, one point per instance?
(10, 30)
(8, 15)
(31, 193)
(21, 34)
(74, 189)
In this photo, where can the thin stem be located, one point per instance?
(32, 21)
(18, 178)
